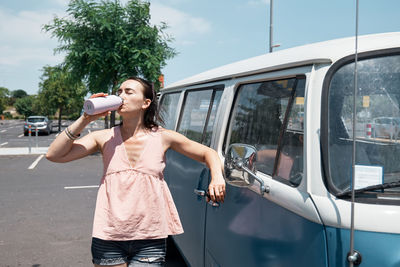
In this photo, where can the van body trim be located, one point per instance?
(326, 52)
(374, 218)
(198, 80)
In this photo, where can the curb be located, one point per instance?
(5, 151)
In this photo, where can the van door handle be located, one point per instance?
(201, 193)
(214, 204)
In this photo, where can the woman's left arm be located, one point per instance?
(201, 153)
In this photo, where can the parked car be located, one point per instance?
(279, 122)
(387, 127)
(41, 123)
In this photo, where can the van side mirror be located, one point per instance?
(240, 166)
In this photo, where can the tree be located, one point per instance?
(58, 91)
(14, 95)
(18, 93)
(24, 106)
(107, 42)
(4, 96)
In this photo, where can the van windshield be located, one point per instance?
(377, 125)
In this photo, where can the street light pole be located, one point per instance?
(270, 25)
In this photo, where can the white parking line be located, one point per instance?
(5, 143)
(81, 187)
(19, 136)
(33, 165)
(3, 131)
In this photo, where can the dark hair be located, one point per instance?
(151, 114)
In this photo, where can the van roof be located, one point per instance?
(326, 52)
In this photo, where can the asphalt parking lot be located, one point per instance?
(12, 134)
(47, 208)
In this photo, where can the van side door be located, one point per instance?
(278, 227)
(187, 178)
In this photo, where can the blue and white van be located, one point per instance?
(282, 124)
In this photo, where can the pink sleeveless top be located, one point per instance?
(134, 202)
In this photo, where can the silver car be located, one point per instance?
(41, 123)
(386, 127)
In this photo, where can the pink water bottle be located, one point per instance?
(102, 104)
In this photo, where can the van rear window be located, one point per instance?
(168, 109)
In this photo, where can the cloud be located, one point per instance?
(22, 38)
(182, 26)
(61, 3)
(258, 2)
(23, 41)
(14, 56)
(24, 26)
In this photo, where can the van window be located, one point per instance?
(269, 116)
(169, 106)
(211, 120)
(198, 115)
(377, 122)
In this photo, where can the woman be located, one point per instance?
(134, 210)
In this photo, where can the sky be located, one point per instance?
(207, 33)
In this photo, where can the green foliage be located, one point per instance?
(8, 97)
(4, 95)
(24, 106)
(7, 115)
(106, 42)
(18, 93)
(2, 105)
(4, 92)
(58, 91)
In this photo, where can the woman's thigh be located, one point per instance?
(150, 252)
(109, 253)
(119, 265)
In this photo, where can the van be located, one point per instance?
(282, 123)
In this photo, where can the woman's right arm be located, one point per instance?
(64, 149)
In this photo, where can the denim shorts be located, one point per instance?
(149, 252)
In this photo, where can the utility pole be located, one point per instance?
(271, 42)
(270, 24)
